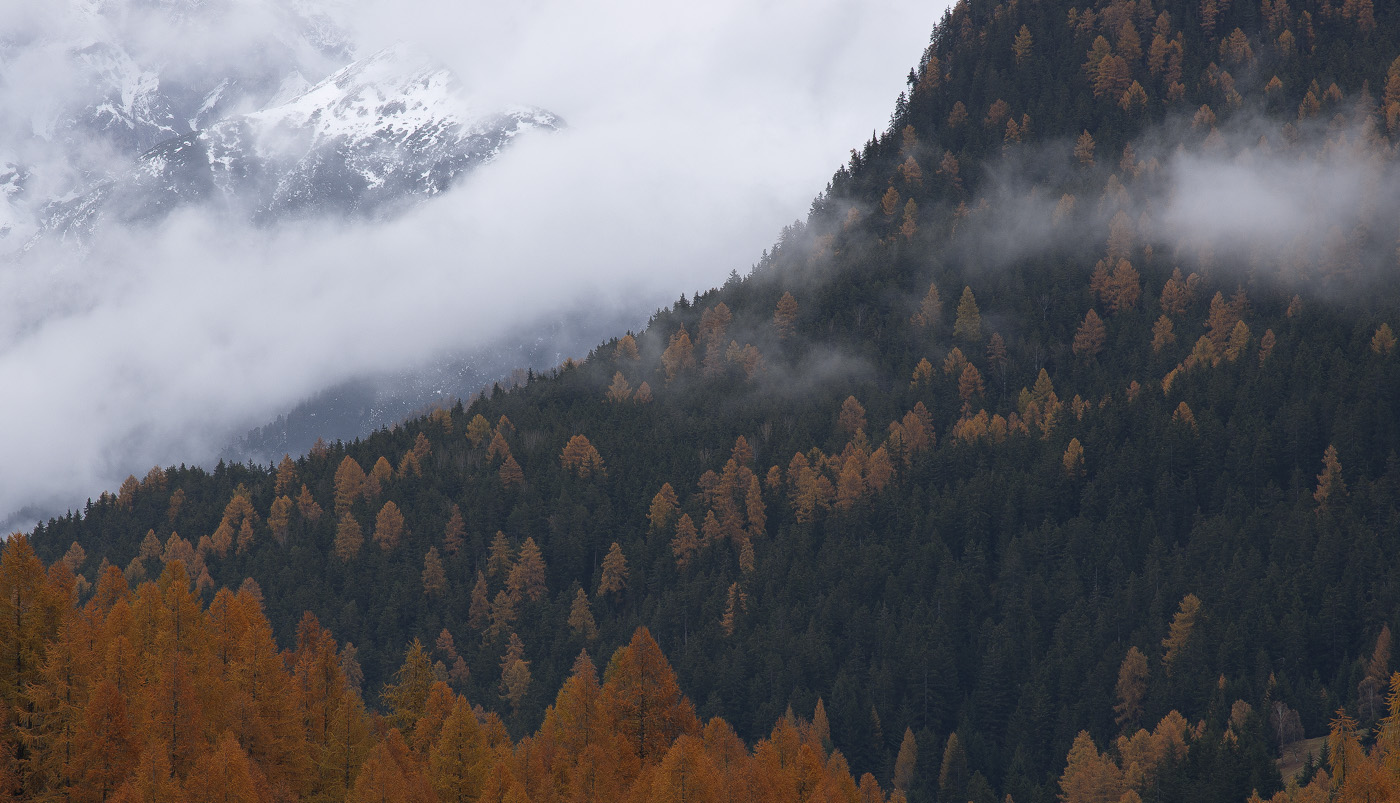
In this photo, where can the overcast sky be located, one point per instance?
(696, 131)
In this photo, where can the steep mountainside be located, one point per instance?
(1074, 402)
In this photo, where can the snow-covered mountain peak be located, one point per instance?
(394, 91)
(380, 133)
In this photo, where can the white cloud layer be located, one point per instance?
(695, 132)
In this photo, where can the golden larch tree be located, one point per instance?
(177, 501)
(150, 546)
(498, 447)
(969, 386)
(349, 484)
(1383, 342)
(911, 172)
(851, 418)
(515, 673)
(227, 771)
(1238, 340)
(1266, 345)
(850, 485)
(1221, 320)
(908, 756)
(1084, 149)
(105, 742)
(581, 617)
(1074, 458)
(1090, 777)
(997, 112)
(910, 226)
(581, 459)
(953, 773)
(1373, 688)
(388, 526)
(879, 470)
(1330, 485)
(663, 508)
(614, 576)
(500, 558)
(642, 701)
(1124, 287)
(245, 535)
(1131, 689)
(348, 537)
(478, 430)
(923, 373)
(1134, 98)
(889, 202)
(1021, 48)
(968, 325)
(626, 349)
(948, 166)
(1163, 334)
(510, 473)
(679, 355)
(954, 362)
(527, 577)
(687, 774)
(930, 311)
(1182, 415)
(1157, 54)
(619, 391)
(504, 612)
(996, 352)
(685, 542)
(1178, 292)
(279, 518)
(434, 577)
(457, 759)
(455, 531)
(380, 474)
(958, 115)
(1089, 339)
(407, 694)
(308, 506)
(286, 476)
(1179, 634)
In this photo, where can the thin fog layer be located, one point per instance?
(693, 136)
(1313, 203)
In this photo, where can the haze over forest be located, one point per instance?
(663, 179)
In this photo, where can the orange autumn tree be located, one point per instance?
(643, 701)
(679, 355)
(581, 459)
(145, 694)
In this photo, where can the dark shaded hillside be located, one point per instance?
(952, 510)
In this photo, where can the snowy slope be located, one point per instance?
(382, 132)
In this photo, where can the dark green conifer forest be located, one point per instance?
(991, 448)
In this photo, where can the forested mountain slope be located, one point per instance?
(1073, 403)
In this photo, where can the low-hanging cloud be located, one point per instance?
(694, 135)
(1287, 202)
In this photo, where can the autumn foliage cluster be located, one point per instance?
(145, 694)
